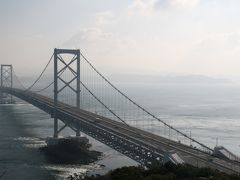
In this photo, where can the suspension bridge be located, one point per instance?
(72, 90)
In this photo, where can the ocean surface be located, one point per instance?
(211, 113)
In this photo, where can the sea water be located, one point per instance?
(210, 113)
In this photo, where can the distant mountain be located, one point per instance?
(133, 78)
(188, 79)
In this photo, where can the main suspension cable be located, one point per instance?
(143, 109)
(103, 103)
(38, 91)
(18, 79)
(30, 87)
(46, 87)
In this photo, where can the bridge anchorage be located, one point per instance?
(6, 81)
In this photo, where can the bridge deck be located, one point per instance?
(151, 142)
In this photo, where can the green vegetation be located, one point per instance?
(166, 172)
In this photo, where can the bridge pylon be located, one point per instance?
(6, 81)
(69, 83)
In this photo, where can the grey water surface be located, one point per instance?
(208, 112)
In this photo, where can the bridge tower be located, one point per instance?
(60, 65)
(6, 81)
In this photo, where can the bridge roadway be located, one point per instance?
(144, 147)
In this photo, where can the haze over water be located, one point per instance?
(146, 37)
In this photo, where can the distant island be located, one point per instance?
(166, 172)
(168, 79)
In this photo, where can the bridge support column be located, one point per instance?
(55, 127)
(55, 94)
(6, 81)
(66, 83)
(78, 87)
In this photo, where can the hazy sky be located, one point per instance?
(128, 36)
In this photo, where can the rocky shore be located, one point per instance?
(70, 151)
